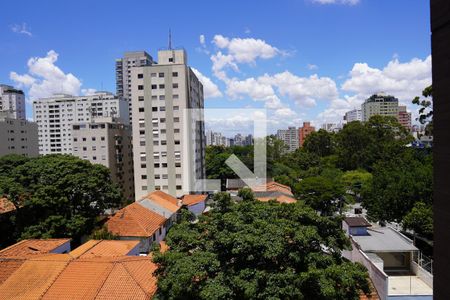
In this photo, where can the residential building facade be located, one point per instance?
(168, 142)
(404, 117)
(379, 104)
(304, 131)
(13, 101)
(123, 73)
(18, 136)
(289, 137)
(107, 142)
(56, 115)
(353, 115)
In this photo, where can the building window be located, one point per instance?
(161, 75)
(161, 86)
(177, 165)
(155, 143)
(175, 74)
(162, 97)
(141, 109)
(178, 187)
(157, 176)
(102, 138)
(162, 108)
(156, 165)
(165, 176)
(140, 87)
(154, 86)
(177, 142)
(176, 108)
(144, 187)
(140, 76)
(157, 187)
(141, 98)
(175, 85)
(154, 97)
(176, 120)
(153, 75)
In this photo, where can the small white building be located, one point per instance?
(391, 260)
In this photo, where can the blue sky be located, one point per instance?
(301, 59)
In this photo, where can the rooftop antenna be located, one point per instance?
(170, 39)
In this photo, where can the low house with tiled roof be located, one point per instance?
(274, 191)
(97, 271)
(195, 203)
(135, 222)
(32, 247)
(6, 206)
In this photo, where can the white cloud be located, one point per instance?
(44, 78)
(88, 92)
(284, 112)
(247, 30)
(21, 28)
(210, 89)
(402, 80)
(202, 39)
(312, 67)
(345, 2)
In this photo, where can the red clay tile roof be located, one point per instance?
(273, 186)
(357, 222)
(8, 266)
(193, 199)
(28, 248)
(110, 248)
(61, 276)
(135, 220)
(165, 200)
(278, 198)
(6, 206)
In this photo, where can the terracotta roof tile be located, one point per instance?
(193, 199)
(31, 280)
(135, 220)
(164, 200)
(27, 248)
(142, 269)
(274, 186)
(79, 280)
(278, 198)
(83, 248)
(7, 267)
(6, 206)
(110, 248)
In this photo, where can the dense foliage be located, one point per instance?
(258, 250)
(54, 196)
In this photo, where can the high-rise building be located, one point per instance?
(56, 115)
(404, 117)
(353, 115)
(379, 104)
(289, 137)
(123, 73)
(18, 136)
(13, 101)
(168, 143)
(106, 141)
(304, 131)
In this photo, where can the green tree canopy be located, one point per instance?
(420, 220)
(258, 250)
(59, 195)
(320, 142)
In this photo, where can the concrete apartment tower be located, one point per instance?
(289, 137)
(12, 100)
(56, 115)
(353, 115)
(123, 73)
(106, 141)
(168, 144)
(379, 104)
(304, 131)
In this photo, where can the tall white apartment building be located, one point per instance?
(168, 144)
(13, 101)
(56, 115)
(123, 73)
(379, 104)
(18, 136)
(290, 137)
(353, 115)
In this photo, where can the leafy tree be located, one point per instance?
(356, 181)
(258, 250)
(320, 142)
(246, 194)
(398, 183)
(426, 109)
(322, 194)
(58, 196)
(420, 220)
(352, 143)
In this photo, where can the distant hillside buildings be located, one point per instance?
(294, 138)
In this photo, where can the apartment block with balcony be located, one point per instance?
(168, 143)
(56, 115)
(107, 142)
(12, 100)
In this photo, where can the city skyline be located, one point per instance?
(320, 68)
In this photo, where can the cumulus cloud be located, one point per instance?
(344, 2)
(202, 39)
(21, 29)
(312, 67)
(88, 92)
(403, 80)
(210, 89)
(44, 78)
